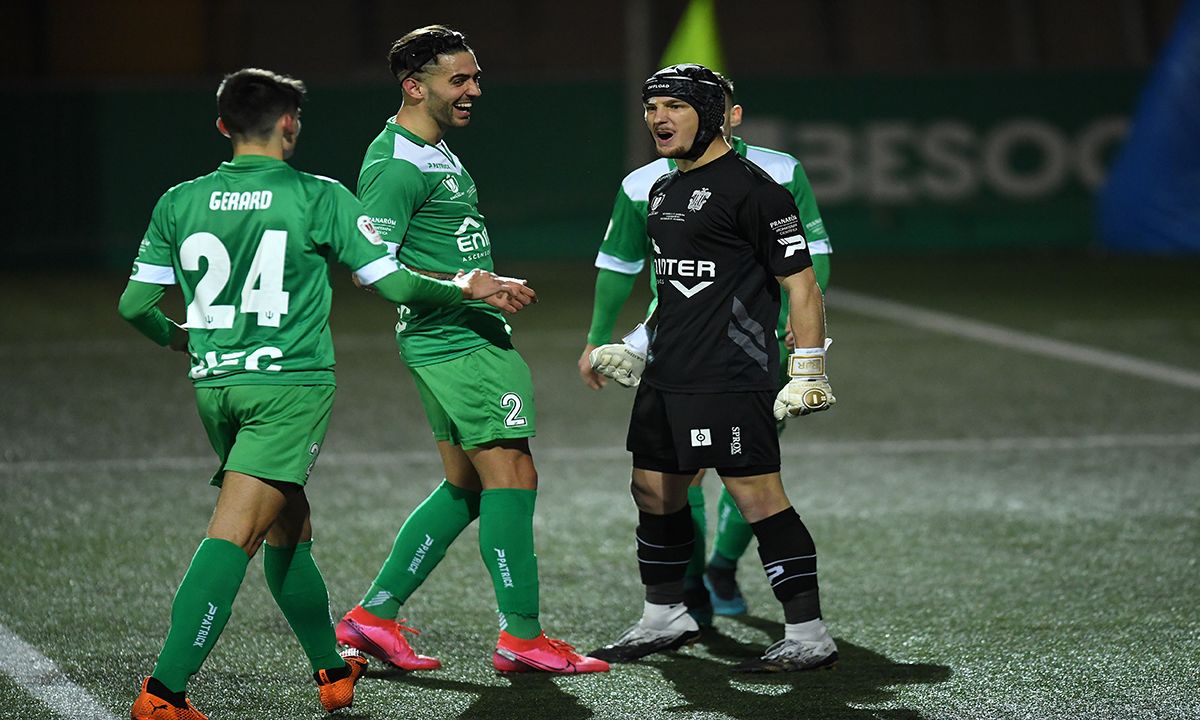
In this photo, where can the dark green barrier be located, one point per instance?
(898, 164)
(950, 163)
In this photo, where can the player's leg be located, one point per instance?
(733, 532)
(246, 508)
(506, 507)
(732, 539)
(696, 595)
(665, 538)
(419, 546)
(665, 532)
(299, 589)
(490, 399)
(789, 557)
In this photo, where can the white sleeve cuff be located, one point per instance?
(638, 339)
(153, 274)
(820, 247)
(605, 261)
(376, 270)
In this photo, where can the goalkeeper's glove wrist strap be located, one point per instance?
(807, 363)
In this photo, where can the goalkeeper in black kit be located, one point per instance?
(725, 238)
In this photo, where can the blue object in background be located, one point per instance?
(1151, 201)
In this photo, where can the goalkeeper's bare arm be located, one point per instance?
(808, 389)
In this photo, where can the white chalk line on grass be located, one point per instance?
(37, 675)
(923, 319)
(618, 453)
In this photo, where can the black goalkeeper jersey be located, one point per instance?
(721, 234)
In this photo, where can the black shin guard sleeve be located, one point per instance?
(664, 546)
(788, 555)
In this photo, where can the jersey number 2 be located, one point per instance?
(512, 402)
(262, 292)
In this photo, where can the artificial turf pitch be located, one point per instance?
(1001, 534)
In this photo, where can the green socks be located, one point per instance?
(506, 546)
(420, 546)
(202, 606)
(695, 568)
(299, 590)
(733, 532)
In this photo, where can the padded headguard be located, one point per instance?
(697, 86)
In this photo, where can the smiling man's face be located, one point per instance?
(453, 87)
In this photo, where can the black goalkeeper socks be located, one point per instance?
(664, 548)
(789, 557)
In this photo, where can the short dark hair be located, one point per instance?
(410, 54)
(250, 100)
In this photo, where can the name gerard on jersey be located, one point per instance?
(247, 200)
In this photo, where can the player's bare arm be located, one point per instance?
(808, 390)
(806, 309)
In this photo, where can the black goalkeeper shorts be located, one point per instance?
(681, 433)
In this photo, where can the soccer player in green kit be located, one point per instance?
(476, 389)
(621, 257)
(249, 246)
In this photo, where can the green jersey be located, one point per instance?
(425, 204)
(249, 246)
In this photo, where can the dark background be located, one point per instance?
(106, 104)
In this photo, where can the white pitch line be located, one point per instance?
(37, 675)
(917, 317)
(618, 452)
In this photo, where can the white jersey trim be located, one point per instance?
(779, 165)
(637, 183)
(820, 247)
(376, 270)
(392, 247)
(426, 158)
(153, 274)
(604, 261)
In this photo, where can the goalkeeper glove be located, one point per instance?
(808, 389)
(623, 361)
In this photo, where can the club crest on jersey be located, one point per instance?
(451, 184)
(658, 200)
(698, 199)
(368, 230)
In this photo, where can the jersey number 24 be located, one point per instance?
(262, 292)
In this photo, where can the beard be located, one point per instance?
(442, 111)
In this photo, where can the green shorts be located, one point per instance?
(478, 398)
(272, 432)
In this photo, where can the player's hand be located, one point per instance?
(359, 284)
(808, 389)
(591, 378)
(620, 362)
(507, 294)
(789, 339)
(518, 292)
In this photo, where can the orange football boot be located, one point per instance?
(337, 694)
(149, 706)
